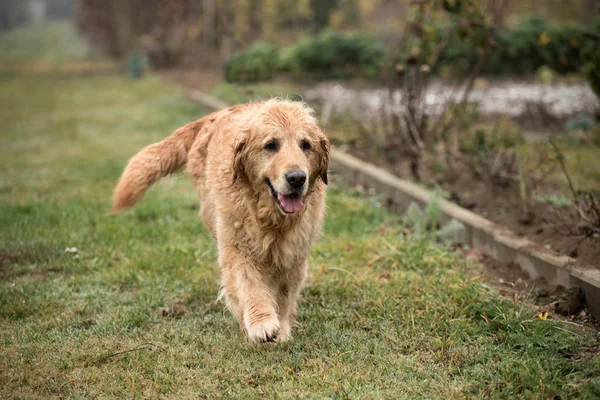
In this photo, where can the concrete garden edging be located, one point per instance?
(483, 235)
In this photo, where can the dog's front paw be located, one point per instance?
(285, 332)
(266, 330)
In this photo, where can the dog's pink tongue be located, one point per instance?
(290, 204)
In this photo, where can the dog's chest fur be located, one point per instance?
(275, 249)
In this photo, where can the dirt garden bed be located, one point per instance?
(545, 225)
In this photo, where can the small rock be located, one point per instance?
(384, 275)
(174, 310)
(574, 253)
(572, 301)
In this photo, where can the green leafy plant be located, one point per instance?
(255, 64)
(533, 43)
(536, 42)
(452, 39)
(333, 54)
(136, 66)
(556, 200)
(426, 224)
(579, 123)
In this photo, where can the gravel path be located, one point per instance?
(506, 98)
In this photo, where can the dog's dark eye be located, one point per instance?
(272, 145)
(305, 145)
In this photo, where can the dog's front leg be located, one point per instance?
(251, 299)
(289, 289)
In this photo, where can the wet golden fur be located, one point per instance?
(262, 250)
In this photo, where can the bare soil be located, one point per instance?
(544, 224)
(552, 302)
(200, 79)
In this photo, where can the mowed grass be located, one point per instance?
(52, 47)
(132, 313)
(50, 41)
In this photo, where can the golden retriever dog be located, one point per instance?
(260, 170)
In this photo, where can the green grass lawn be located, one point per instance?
(49, 41)
(50, 48)
(132, 313)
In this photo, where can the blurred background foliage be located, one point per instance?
(433, 67)
(256, 39)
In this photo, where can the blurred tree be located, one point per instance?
(591, 9)
(269, 19)
(562, 10)
(321, 10)
(293, 15)
(304, 9)
(242, 22)
(346, 15)
(13, 13)
(124, 28)
(209, 20)
(209, 31)
(59, 9)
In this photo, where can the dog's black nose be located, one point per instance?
(296, 178)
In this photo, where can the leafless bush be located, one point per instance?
(537, 115)
(409, 127)
(585, 203)
(500, 169)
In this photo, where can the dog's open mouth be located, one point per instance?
(289, 203)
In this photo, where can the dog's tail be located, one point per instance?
(152, 163)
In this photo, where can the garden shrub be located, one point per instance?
(258, 63)
(533, 43)
(334, 54)
(329, 55)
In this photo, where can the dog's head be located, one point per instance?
(281, 152)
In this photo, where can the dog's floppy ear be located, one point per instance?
(238, 160)
(323, 157)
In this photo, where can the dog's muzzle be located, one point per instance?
(292, 202)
